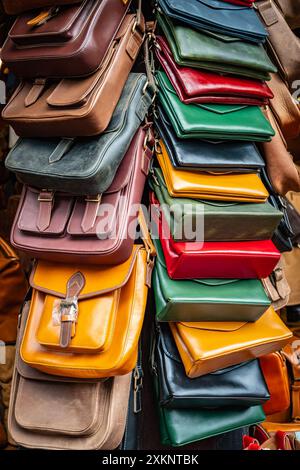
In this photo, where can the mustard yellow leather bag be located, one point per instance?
(230, 187)
(207, 347)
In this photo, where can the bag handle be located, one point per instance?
(149, 246)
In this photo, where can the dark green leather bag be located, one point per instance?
(205, 300)
(217, 220)
(216, 52)
(212, 121)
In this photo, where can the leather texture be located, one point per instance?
(290, 11)
(241, 385)
(206, 299)
(16, 7)
(222, 187)
(90, 230)
(83, 166)
(247, 3)
(216, 53)
(215, 156)
(196, 86)
(224, 260)
(207, 347)
(81, 54)
(216, 16)
(276, 374)
(83, 106)
(212, 121)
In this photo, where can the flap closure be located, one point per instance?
(222, 108)
(51, 279)
(215, 326)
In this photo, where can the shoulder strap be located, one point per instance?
(149, 246)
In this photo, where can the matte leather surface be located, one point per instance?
(215, 52)
(240, 385)
(211, 121)
(217, 16)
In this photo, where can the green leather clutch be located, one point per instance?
(205, 300)
(216, 52)
(216, 220)
(212, 121)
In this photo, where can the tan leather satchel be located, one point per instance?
(277, 287)
(291, 11)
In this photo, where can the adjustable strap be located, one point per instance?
(150, 248)
(292, 353)
(267, 12)
(61, 149)
(91, 212)
(140, 21)
(45, 199)
(149, 59)
(35, 92)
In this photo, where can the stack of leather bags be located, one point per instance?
(83, 156)
(214, 221)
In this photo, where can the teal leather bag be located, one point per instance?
(205, 300)
(217, 220)
(216, 52)
(212, 121)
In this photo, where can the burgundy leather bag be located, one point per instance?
(86, 230)
(72, 43)
(15, 7)
(221, 260)
(197, 86)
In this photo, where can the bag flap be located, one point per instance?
(222, 108)
(215, 326)
(217, 5)
(51, 279)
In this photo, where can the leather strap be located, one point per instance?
(61, 149)
(150, 248)
(69, 309)
(91, 212)
(45, 199)
(293, 356)
(149, 63)
(35, 92)
(267, 12)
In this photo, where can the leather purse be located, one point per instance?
(276, 375)
(97, 229)
(13, 287)
(223, 187)
(291, 12)
(83, 166)
(196, 86)
(16, 7)
(217, 220)
(207, 347)
(83, 106)
(213, 260)
(214, 52)
(212, 121)
(207, 156)
(72, 42)
(216, 16)
(200, 299)
(241, 385)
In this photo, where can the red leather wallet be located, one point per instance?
(221, 260)
(196, 86)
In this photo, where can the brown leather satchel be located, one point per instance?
(13, 286)
(15, 7)
(291, 11)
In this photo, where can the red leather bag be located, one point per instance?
(197, 86)
(86, 230)
(221, 260)
(244, 3)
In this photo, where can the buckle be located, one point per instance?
(46, 196)
(96, 198)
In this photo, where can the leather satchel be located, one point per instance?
(83, 166)
(13, 287)
(291, 12)
(84, 106)
(213, 260)
(220, 220)
(274, 368)
(241, 385)
(200, 299)
(71, 42)
(15, 7)
(215, 52)
(212, 121)
(197, 86)
(216, 16)
(207, 347)
(97, 229)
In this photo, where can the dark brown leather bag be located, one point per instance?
(72, 43)
(291, 11)
(15, 7)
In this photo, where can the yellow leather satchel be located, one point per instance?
(207, 347)
(195, 185)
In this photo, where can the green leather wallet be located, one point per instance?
(204, 220)
(216, 52)
(205, 300)
(212, 121)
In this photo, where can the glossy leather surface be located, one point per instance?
(276, 374)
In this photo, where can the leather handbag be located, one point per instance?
(84, 106)
(213, 260)
(241, 385)
(199, 49)
(16, 7)
(280, 34)
(97, 229)
(83, 166)
(207, 347)
(216, 16)
(291, 12)
(293, 210)
(212, 121)
(197, 86)
(207, 156)
(277, 287)
(291, 262)
(13, 287)
(217, 220)
(71, 42)
(278, 440)
(222, 187)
